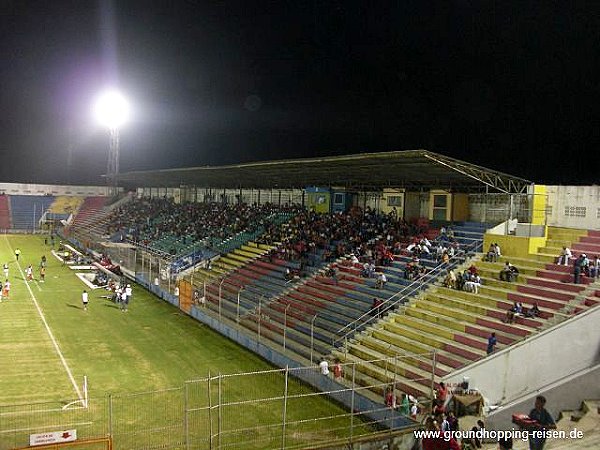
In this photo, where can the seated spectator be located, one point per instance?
(491, 254)
(381, 280)
(497, 251)
(516, 310)
(533, 312)
(509, 272)
(376, 307)
(564, 257)
(450, 280)
(460, 282)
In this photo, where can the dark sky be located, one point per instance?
(512, 85)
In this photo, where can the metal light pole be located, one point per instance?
(112, 169)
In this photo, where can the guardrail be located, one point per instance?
(402, 295)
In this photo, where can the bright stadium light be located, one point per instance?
(112, 111)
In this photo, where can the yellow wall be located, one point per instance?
(519, 247)
(385, 208)
(460, 207)
(540, 199)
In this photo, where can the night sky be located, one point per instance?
(511, 85)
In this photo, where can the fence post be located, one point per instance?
(238, 303)
(186, 423)
(285, 327)
(259, 316)
(110, 416)
(352, 402)
(312, 336)
(433, 363)
(210, 421)
(285, 397)
(220, 417)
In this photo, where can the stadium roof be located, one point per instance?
(411, 169)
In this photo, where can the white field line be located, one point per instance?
(39, 310)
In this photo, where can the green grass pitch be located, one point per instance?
(152, 347)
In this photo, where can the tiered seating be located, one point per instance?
(4, 213)
(89, 217)
(261, 280)
(469, 234)
(27, 210)
(457, 323)
(579, 241)
(222, 266)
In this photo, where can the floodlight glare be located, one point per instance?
(111, 109)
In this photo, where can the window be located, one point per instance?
(598, 214)
(440, 201)
(575, 211)
(338, 198)
(394, 200)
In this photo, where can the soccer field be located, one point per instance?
(48, 343)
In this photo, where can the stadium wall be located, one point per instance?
(566, 394)
(536, 362)
(574, 206)
(51, 189)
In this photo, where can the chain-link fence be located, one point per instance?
(18, 422)
(255, 410)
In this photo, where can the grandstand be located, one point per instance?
(278, 266)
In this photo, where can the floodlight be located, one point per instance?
(111, 109)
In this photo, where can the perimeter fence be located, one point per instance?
(255, 410)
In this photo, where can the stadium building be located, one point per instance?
(360, 261)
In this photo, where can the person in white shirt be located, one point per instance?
(324, 367)
(497, 251)
(564, 257)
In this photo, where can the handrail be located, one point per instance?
(386, 306)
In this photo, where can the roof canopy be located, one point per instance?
(411, 169)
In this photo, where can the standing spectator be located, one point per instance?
(338, 372)
(595, 267)
(405, 405)
(491, 343)
(577, 269)
(544, 421)
(442, 392)
(84, 300)
(414, 410)
(324, 367)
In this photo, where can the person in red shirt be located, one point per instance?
(442, 392)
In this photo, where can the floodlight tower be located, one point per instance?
(112, 111)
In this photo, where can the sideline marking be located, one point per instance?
(39, 310)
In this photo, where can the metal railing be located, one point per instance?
(399, 297)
